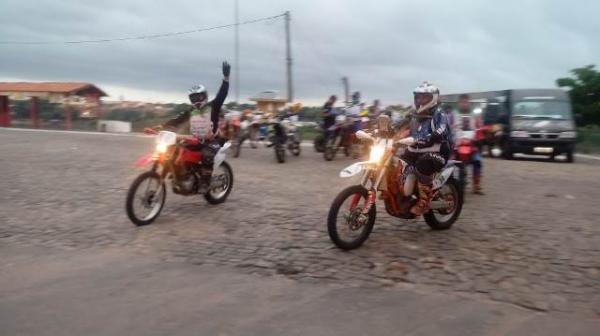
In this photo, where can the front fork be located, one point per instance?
(372, 195)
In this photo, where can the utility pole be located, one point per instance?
(346, 90)
(237, 53)
(290, 89)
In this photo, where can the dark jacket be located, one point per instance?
(328, 115)
(215, 110)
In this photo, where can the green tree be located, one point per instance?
(125, 115)
(179, 108)
(584, 90)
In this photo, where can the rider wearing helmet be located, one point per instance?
(428, 125)
(203, 119)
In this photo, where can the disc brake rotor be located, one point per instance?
(355, 219)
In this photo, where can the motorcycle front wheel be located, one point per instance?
(280, 153)
(330, 149)
(319, 143)
(347, 226)
(238, 146)
(145, 198)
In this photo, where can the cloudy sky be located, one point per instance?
(385, 47)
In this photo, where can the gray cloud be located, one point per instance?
(385, 47)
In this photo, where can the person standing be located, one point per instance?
(467, 124)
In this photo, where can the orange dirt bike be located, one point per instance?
(352, 213)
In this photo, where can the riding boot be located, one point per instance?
(477, 185)
(425, 196)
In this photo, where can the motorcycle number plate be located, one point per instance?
(543, 149)
(352, 169)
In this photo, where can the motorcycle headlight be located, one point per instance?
(519, 134)
(568, 135)
(161, 147)
(376, 153)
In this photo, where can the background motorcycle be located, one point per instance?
(172, 160)
(319, 141)
(284, 134)
(340, 135)
(293, 136)
(352, 214)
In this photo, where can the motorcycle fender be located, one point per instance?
(441, 178)
(220, 157)
(143, 161)
(352, 169)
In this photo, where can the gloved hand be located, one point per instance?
(226, 69)
(153, 130)
(431, 139)
(427, 142)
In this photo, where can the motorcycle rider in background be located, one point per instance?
(329, 113)
(466, 120)
(374, 109)
(353, 112)
(203, 120)
(428, 125)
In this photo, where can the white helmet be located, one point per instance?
(428, 90)
(198, 96)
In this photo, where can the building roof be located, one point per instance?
(268, 96)
(50, 87)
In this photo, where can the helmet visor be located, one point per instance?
(422, 99)
(196, 98)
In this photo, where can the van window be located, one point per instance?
(549, 109)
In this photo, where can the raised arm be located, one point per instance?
(217, 103)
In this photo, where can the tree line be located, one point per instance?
(584, 91)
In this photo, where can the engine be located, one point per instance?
(187, 181)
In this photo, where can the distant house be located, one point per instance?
(269, 101)
(84, 96)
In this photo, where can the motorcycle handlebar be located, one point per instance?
(150, 131)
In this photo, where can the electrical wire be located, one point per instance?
(143, 37)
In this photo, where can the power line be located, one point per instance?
(144, 37)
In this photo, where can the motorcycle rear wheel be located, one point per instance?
(220, 196)
(330, 149)
(353, 218)
(443, 221)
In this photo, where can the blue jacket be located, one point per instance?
(423, 127)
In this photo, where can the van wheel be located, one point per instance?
(507, 152)
(570, 157)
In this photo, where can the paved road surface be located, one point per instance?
(529, 248)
